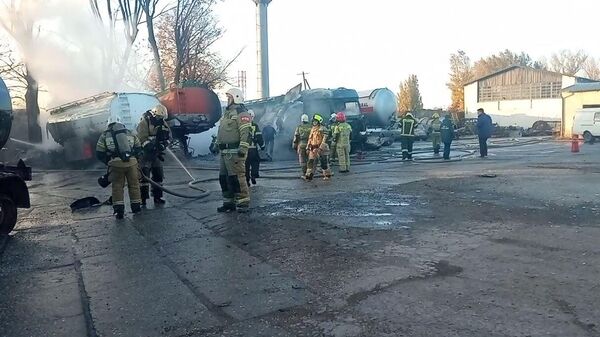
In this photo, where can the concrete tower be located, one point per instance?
(262, 47)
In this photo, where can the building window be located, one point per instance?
(597, 117)
(520, 91)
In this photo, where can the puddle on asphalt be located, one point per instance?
(373, 209)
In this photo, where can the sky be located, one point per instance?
(378, 43)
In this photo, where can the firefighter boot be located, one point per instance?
(119, 211)
(136, 208)
(226, 208)
(145, 191)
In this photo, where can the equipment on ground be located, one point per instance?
(543, 128)
(13, 190)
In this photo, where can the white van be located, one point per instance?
(586, 122)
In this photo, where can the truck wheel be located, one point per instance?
(588, 138)
(8, 214)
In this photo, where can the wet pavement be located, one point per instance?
(391, 249)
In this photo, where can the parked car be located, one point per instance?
(586, 122)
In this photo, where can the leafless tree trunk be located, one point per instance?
(131, 19)
(21, 28)
(149, 7)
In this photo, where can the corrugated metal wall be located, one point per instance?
(521, 76)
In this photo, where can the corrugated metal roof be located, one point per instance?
(582, 87)
(514, 66)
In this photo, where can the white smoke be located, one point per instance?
(72, 54)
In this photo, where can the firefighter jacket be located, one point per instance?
(256, 137)
(106, 149)
(332, 127)
(147, 131)
(447, 130)
(407, 126)
(436, 124)
(317, 137)
(342, 133)
(301, 135)
(235, 130)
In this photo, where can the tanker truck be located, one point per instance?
(378, 106)
(13, 190)
(284, 111)
(78, 125)
(192, 109)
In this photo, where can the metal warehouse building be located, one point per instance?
(575, 97)
(520, 90)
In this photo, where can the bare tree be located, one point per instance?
(185, 37)
(149, 7)
(195, 32)
(131, 11)
(591, 68)
(568, 63)
(21, 27)
(12, 71)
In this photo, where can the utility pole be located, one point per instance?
(304, 80)
(262, 47)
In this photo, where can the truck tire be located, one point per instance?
(588, 138)
(8, 214)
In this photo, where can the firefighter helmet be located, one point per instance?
(236, 94)
(340, 117)
(304, 118)
(113, 119)
(436, 115)
(317, 118)
(159, 111)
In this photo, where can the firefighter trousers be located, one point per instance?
(153, 169)
(303, 158)
(118, 176)
(232, 171)
(252, 164)
(343, 154)
(407, 146)
(436, 140)
(314, 156)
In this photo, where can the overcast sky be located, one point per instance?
(378, 43)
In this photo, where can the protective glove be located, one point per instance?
(149, 147)
(241, 153)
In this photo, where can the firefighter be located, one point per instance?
(118, 148)
(407, 135)
(155, 135)
(233, 140)
(301, 141)
(253, 160)
(331, 126)
(341, 141)
(317, 149)
(436, 136)
(447, 133)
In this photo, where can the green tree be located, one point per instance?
(461, 72)
(409, 97)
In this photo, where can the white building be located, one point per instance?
(519, 95)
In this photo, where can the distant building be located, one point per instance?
(575, 97)
(525, 93)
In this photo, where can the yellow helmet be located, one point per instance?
(159, 111)
(318, 118)
(436, 115)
